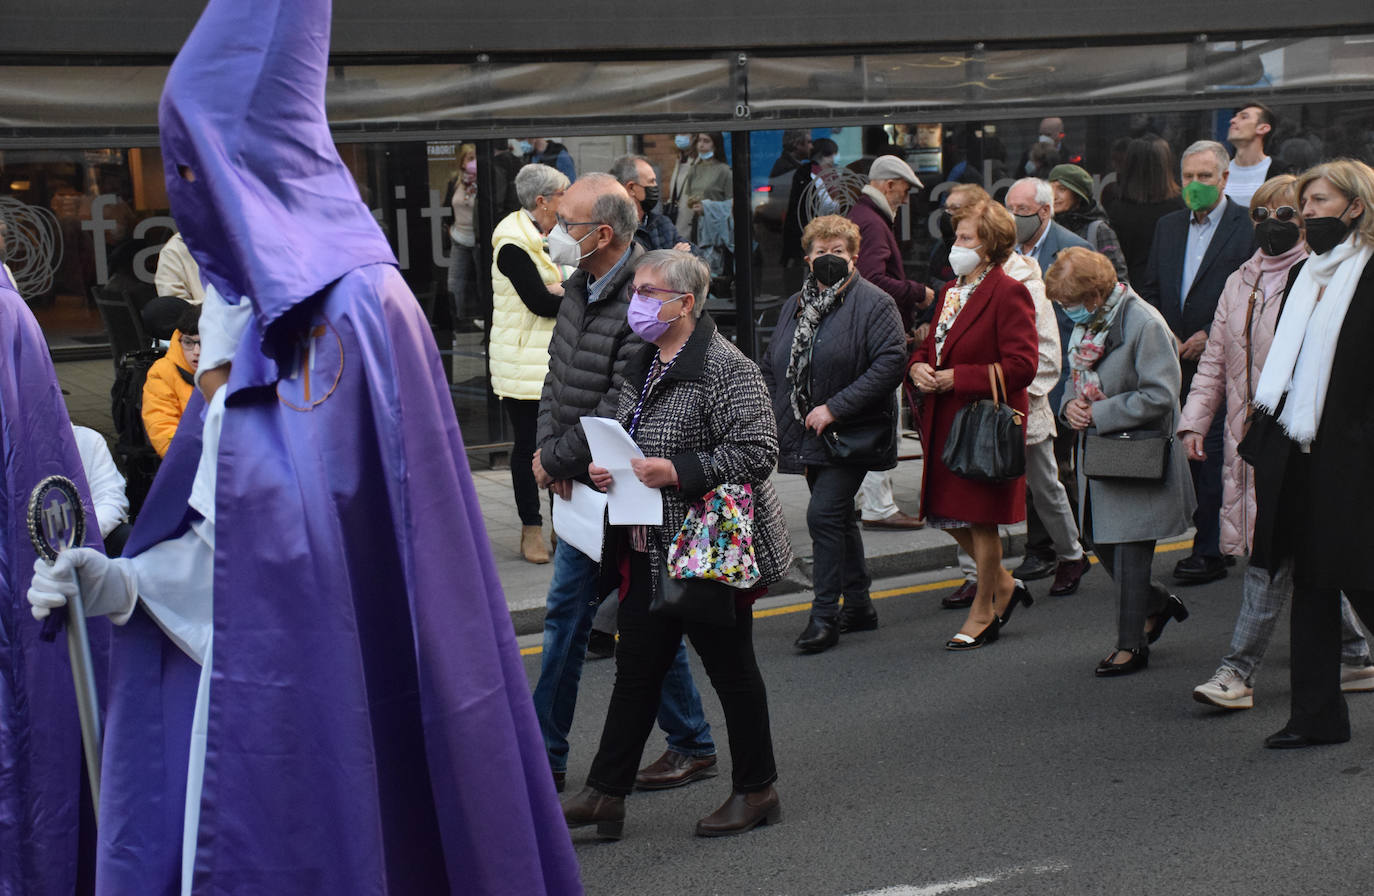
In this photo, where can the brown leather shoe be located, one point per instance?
(674, 769)
(1068, 575)
(591, 806)
(742, 812)
(962, 597)
(898, 520)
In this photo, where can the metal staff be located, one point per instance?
(57, 521)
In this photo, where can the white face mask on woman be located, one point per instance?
(964, 260)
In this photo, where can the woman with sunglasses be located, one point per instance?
(1227, 373)
(1311, 442)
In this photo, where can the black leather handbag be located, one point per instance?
(694, 600)
(867, 442)
(987, 440)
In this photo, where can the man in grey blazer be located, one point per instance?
(1193, 254)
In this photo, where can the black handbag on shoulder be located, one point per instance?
(987, 440)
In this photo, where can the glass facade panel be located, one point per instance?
(83, 205)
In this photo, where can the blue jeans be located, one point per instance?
(567, 622)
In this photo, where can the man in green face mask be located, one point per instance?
(1193, 253)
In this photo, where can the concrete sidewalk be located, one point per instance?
(889, 553)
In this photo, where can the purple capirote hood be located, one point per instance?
(273, 213)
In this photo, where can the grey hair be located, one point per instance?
(535, 180)
(626, 168)
(681, 271)
(613, 206)
(1212, 146)
(1044, 193)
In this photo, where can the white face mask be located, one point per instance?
(565, 250)
(964, 260)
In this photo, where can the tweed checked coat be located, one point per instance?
(710, 415)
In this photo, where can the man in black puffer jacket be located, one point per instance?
(591, 345)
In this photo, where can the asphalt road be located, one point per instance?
(908, 770)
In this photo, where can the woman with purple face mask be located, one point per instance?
(698, 409)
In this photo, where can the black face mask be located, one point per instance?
(947, 227)
(1325, 234)
(830, 269)
(1277, 237)
(651, 197)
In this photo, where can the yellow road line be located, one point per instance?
(890, 592)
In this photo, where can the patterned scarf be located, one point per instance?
(816, 303)
(955, 297)
(1088, 344)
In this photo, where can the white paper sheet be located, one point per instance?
(631, 502)
(579, 520)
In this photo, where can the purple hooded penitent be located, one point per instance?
(370, 728)
(46, 828)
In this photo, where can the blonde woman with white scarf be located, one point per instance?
(1311, 442)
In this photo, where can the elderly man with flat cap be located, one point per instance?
(880, 262)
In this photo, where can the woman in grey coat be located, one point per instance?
(836, 359)
(1124, 376)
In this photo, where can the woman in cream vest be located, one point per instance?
(526, 290)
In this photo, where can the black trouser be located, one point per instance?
(1038, 540)
(648, 643)
(1207, 485)
(1318, 706)
(524, 420)
(837, 547)
(1129, 564)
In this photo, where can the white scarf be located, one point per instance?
(1299, 361)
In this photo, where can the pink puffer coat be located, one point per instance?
(1221, 378)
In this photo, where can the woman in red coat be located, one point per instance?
(984, 317)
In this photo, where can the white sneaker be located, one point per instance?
(1229, 691)
(1355, 679)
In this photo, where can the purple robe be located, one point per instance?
(46, 829)
(370, 724)
(148, 716)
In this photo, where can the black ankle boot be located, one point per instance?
(820, 634)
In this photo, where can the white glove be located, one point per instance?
(108, 587)
(221, 329)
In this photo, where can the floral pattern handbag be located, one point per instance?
(716, 541)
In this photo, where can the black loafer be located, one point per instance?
(819, 634)
(1291, 740)
(858, 619)
(1197, 570)
(1033, 567)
